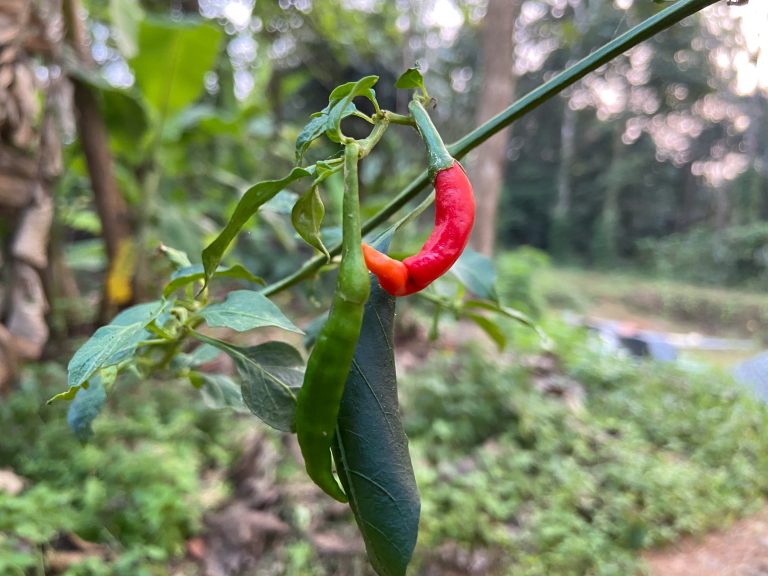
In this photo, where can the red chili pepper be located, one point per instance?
(454, 218)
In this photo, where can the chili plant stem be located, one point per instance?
(646, 29)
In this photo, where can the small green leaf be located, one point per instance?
(178, 258)
(477, 273)
(411, 79)
(491, 328)
(317, 126)
(271, 375)
(244, 310)
(111, 344)
(194, 273)
(349, 91)
(307, 217)
(510, 313)
(371, 448)
(85, 407)
(311, 132)
(221, 392)
(253, 198)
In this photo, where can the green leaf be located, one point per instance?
(411, 78)
(178, 258)
(345, 94)
(85, 407)
(111, 344)
(171, 62)
(371, 448)
(244, 310)
(491, 328)
(189, 274)
(477, 273)
(317, 126)
(221, 392)
(510, 313)
(253, 198)
(271, 375)
(126, 116)
(307, 217)
(201, 355)
(125, 16)
(350, 90)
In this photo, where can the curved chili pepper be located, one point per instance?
(317, 406)
(454, 218)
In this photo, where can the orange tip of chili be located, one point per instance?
(392, 274)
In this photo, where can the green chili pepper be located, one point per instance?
(329, 363)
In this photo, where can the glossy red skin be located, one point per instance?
(454, 218)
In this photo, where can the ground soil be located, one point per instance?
(740, 550)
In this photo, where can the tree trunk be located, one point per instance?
(30, 159)
(560, 243)
(560, 236)
(498, 89)
(605, 240)
(110, 205)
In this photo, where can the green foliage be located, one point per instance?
(307, 217)
(137, 485)
(111, 344)
(171, 61)
(730, 257)
(411, 79)
(654, 452)
(477, 273)
(271, 375)
(249, 203)
(516, 275)
(244, 310)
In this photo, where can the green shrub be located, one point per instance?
(516, 270)
(655, 451)
(729, 257)
(135, 485)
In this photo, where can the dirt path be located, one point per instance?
(742, 550)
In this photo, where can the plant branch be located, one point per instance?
(653, 25)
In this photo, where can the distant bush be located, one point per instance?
(539, 486)
(136, 485)
(729, 257)
(516, 270)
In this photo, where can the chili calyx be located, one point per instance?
(454, 218)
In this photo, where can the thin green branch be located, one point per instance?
(653, 25)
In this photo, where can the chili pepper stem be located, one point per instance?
(438, 156)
